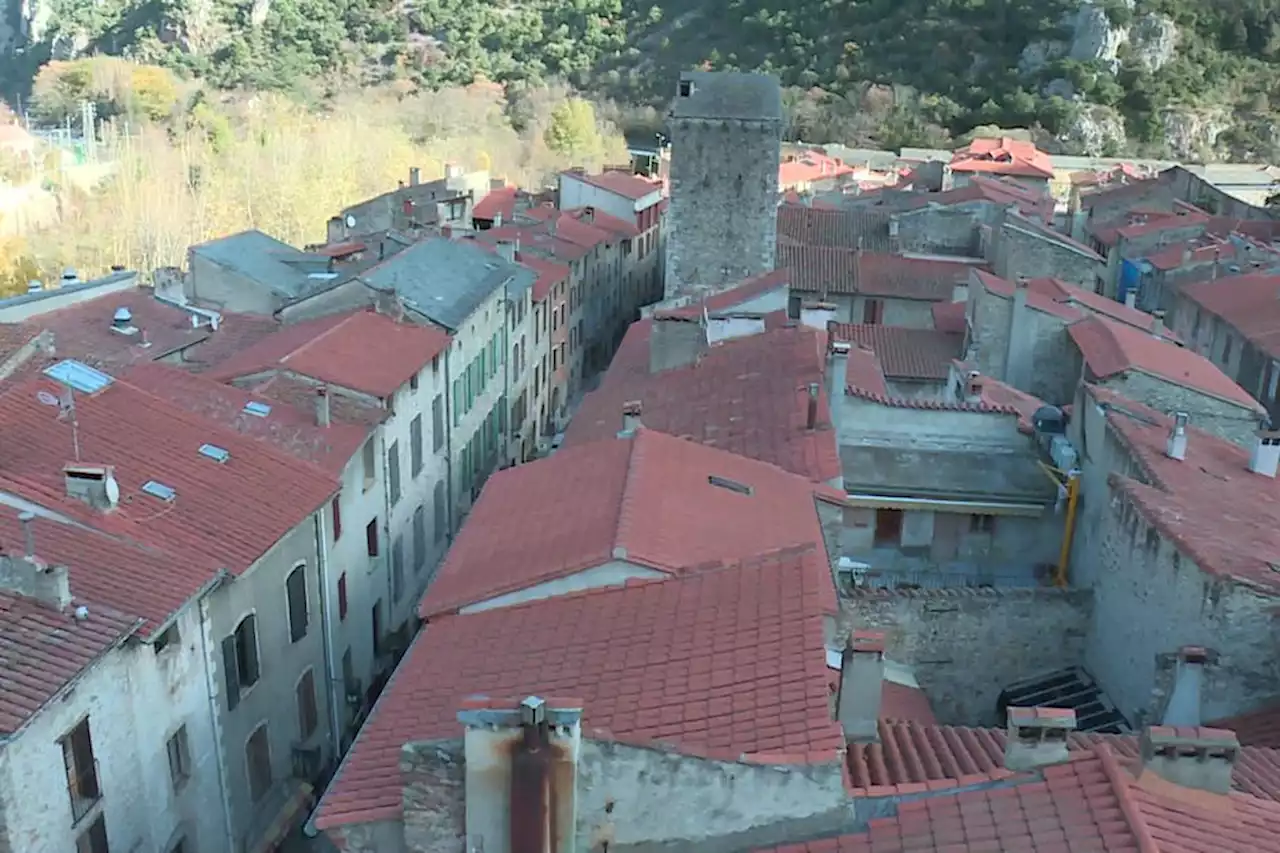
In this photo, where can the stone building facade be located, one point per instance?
(726, 132)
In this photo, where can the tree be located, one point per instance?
(573, 132)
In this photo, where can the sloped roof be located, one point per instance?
(649, 500)
(630, 186)
(261, 258)
(727, 300)
(913, 354)
(1003, 156)
(1250, 304)
(650, 660)
(818, 269)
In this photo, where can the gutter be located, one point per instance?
(322, 558)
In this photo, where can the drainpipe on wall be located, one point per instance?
(322, 570)
(202, 608)
(448, 444)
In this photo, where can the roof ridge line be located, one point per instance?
(622, 525)
(1120, 785)
(318, 338)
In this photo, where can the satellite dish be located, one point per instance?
(113, 490)
(351, 221)
(47, 399)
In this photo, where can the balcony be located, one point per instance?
(82, 786)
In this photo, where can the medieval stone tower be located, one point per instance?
(726, 142)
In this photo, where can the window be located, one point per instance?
(872, 311)
(257, 757)
(335, 513)
(888, 527)
(94, 839)
(180, 846)
(375, 623)
(240, 659)
(437, 424)
(393, 471)
(371, 537)
(419, 538)
(167, 638)
(457, 401)
(82, 770)
(296, 588)
(342, 597)
(413, 382)
(308, 716)
(397, 568)
(179, 758)
(370, 463)
(437, 504)
(982, 524)
(415, 445)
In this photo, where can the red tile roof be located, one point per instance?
(919, 354)
(1250, 304)
(647, 500)
(727, 300)
(810, 166)
(230, 513)
(602, 221)
(144, 581)
(629, 186)
(746, 395)
(535, 239)
(1110, 348)
(827, 226)
(84, 331)
(1038, 298)
(950, 317)
(549, 273)
(1003, 156)
(43, 649)
(818, 269)
(361, 350)
(864, 372)
(236, 333)
(576, 227)
(499, 202)
(793, 197)
(1238, 538)
(291, 424)
(1255, 728)
(1093, 303)
(999, 395)
(729, 662)
(993, 189)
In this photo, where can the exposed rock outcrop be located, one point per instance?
(1094, 131)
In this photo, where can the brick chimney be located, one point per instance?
(1183, 708)
(521, 774)
(1193, 757)
(1265, 456)
(1176, 446)
(29, 576)
(630, 418)
(861, 686)
(1037, 737)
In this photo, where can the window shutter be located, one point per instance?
(231, 671)
(297, 584)
(250, 640)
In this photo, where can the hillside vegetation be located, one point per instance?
(888, 72)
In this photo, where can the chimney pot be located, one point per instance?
(811, 417)
(1183, 706)
(1131, 298)
(1037, 737)
(415, 176)
(1157, 324)
(323, 412)
(1265, 457)
(30, 577)
(1193, 757)
(630, 418)
(861, 685)
(1176, 446)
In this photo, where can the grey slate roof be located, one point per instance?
(125, 279)
(945, 474)
(445, 280)
(262, 258)
(730, 95)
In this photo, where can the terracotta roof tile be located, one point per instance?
(236, 333)
(1237, 537)
(602, 221)
(1110, 348)
(920, 354)
(746, 395)
(146, 582)
(987, 188)
(626, 652)
(647, 500)
(535, 239)
(727, 300)
(290, 425)
(999, 395)
(1250, 304)
(13, 337)
(950, 317)
(576, 226)
(803, 225)
(1003, 156)
(227, 512)
(793, 197)
(629, 186)
(819, 269)
(361, 350)
(864, 372)
(1038, 298)
(42, 649)
(1095, 303)
(810, 166)
(1255, 728)
(499, 202)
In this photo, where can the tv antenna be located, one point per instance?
(66, 412)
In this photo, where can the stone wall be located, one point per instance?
(1217, 417)
(1021, 251)
(1049, 366)
(950, 230)
(966, 645)
(722, 221)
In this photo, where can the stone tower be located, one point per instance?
(726, 143)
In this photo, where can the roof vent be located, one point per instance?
(731, 485)
(94, 485)
(258, 410)
(1265, 456)
(122, 322)
(217, 454)
(160, 491)
(1176, 446)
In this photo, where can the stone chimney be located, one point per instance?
(1016, 355)
(94, 485)
(1176, 446)
(676, 342)
(588, 214)
(29, 576)
(1157, 324)
(1183, 708)
(816, 315)
(335, 230)
(415, 176)
(1131, 298)
(1265, 455)
(1037, 737)
(861, 686)
(973, 388)
(521, 774)
(323, 417)
(507, 249)
(1193, 757)
(630, 418)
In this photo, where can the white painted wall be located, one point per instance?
(520, 376)
(575, 192)
(727, 328)
(135, 700)
(473, 335)
(613, 573)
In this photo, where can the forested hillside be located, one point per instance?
(1192, 78)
